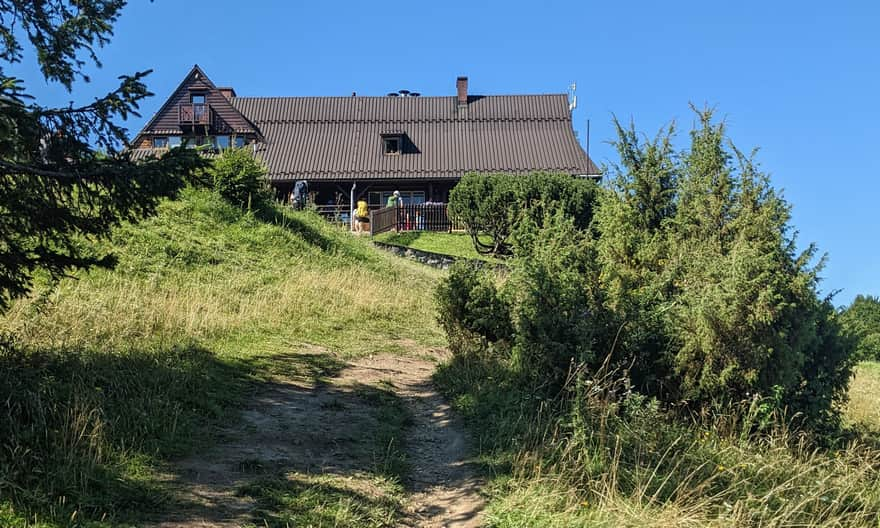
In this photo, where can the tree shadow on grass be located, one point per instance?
(286, 500)
(84, 431)
(311, 438)
(406, 238)
(300, 228)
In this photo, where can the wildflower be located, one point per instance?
(720, 468)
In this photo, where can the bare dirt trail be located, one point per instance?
(293, 426)
(444, 486)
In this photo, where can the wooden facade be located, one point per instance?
(196, 110)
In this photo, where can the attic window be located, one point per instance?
(197, 98)
(392, 143)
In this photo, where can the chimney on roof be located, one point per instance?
(227, 91)
(461, 87)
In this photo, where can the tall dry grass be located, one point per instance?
(605, 456)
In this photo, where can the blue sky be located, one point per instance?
(801, 79)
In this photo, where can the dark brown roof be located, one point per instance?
(339, 138)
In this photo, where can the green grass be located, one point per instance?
(114, 372)
(302, 500)
(609, 460)
(863, 409)
(455, 244)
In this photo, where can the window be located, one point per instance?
(221, 142)
(380, 198)
(198, 141)
(392, 145)
(174, 141)
(197, 98)
(160, 142)
(240, 141)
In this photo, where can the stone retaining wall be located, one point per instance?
(436, 260)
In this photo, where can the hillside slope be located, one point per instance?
(112, 373)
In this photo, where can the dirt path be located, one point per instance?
(316, 429)
(443, 483)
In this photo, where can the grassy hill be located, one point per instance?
(113, 372)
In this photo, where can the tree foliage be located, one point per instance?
(688, 279)
(500, 209)
(64, 172)
(240, 178)
(861, 319)
(697, 248)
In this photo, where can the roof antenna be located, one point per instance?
(572, 97)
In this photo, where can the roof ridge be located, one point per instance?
(421, 97)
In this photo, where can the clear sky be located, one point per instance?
(799, 79)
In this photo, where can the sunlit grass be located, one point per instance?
(864, 396)
(455, 244)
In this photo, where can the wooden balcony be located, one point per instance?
(195, 114)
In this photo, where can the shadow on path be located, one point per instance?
(292, 429)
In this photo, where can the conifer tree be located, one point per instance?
(65, 172)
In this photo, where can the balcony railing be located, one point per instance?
(194, 114)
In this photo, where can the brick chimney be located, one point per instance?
(461, 87)
(227, 91)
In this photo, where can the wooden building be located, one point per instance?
(418, 145)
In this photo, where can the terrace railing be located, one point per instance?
(412, 217)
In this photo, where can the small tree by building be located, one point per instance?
(240, 178)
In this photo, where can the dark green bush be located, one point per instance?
(692, 283)
(470, 306)
(556, 304)
(240, 178)
(493, 206)
(697, 247)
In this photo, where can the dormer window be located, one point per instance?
(392, 143)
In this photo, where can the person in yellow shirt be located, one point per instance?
(362, 217)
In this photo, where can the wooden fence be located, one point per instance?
(412, 217)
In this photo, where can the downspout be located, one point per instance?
(351, 205)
